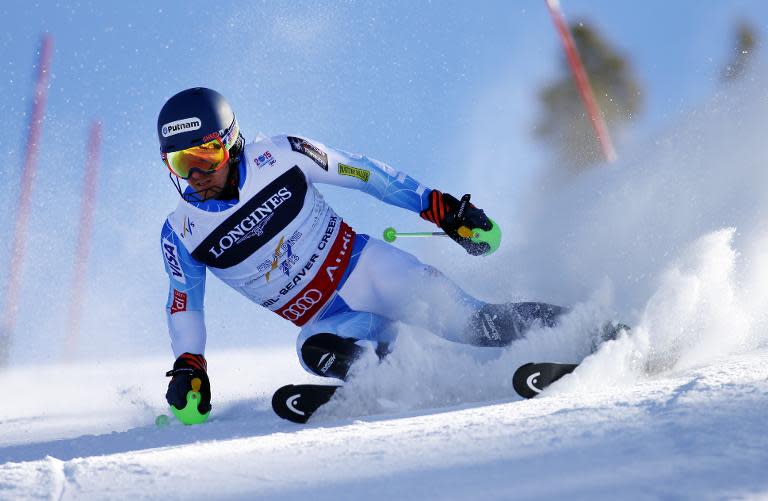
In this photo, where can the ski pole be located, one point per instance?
(492, 236)
(390, 234)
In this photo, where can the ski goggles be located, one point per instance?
(208, 157)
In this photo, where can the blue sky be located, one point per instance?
(444, 90)
(393, 79)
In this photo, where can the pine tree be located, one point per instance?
(565, 125)
(746, 43)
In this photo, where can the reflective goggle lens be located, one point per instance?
(208, 157)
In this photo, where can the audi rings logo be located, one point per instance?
(303, 305)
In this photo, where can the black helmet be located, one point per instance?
(190, 118)
(193, 114)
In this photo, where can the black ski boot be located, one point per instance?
(501, 324)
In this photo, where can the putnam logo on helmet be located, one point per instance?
(179, 126)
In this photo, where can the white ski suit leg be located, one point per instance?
(397, 286)
(389, 285)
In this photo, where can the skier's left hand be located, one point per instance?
(463, 222)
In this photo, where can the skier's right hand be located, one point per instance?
(187, 368)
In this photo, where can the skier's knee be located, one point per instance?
(330, 355)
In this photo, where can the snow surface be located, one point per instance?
(695, 433)
(672, 241)
(674, 410)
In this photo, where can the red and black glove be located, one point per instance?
(458, 218)
(186, 368)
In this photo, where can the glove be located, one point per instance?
(186, 368)
(457, 219)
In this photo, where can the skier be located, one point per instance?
(251, 214)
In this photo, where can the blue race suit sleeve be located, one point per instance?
(337, 167)
(186, 294)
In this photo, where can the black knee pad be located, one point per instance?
(330, 355)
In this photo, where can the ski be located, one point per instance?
(298, 402)
(531, 379)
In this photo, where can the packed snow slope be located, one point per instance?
(672, 241)
(695, 433)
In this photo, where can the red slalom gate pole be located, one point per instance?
(83, 239)
(18, 247)
(582, 81)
